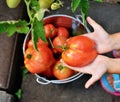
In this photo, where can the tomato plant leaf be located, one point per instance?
(38, 32)
(99, 0)
(19, 93)
(11, 27)
(84, 7)
(75, 4)
(34, 5)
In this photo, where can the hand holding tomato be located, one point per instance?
(81, 51)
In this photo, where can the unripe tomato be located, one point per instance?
(45, 3)
(12, 3)
(81, 51)
(62, 72)
(38, 61)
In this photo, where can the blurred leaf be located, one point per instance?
(84, 6)
(75, 4)
(11, 27)
(38, 32)
(24, 72)
(99, 0)
(19, 93)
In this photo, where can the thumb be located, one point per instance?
(90, 82)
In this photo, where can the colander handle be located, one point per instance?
(42, 80)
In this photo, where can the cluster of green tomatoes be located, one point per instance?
(53, 4)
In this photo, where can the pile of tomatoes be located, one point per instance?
(75, 51)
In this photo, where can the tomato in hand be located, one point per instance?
(50, 30)
(38, 61)
(62, 31)
(62, 72)
(81, 51)
(59, 43)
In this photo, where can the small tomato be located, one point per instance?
(62, 72)
(50, 30)
(59, 43)
(45, 3)
(40, 42)
(13, 3)
(62, 31)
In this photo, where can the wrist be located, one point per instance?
(113, 65)
(115, 41)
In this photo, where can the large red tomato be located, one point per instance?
(81, 51)
(50, 30)
(62, 72)
(38, 61)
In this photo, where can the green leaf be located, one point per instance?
(11, 27)
(38, 32)
(40, 14)
(84, 6)
(99, 0)
(75, 4)
(34, 4)
(24, 72)
(19, 93)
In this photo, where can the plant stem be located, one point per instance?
(28, 10)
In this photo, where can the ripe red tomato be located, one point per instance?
(30, 43)
(81, 51)
(48, 73)
(62, 72)
(50, 30)
(38, 61)
(59, 43)
(62, 31)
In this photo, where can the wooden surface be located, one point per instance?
(108, 15)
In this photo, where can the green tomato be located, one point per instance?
(12, 3)
(56, 5)
(45, 3)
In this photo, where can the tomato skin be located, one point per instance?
(13, 3)
(48, 73)
(38, 61)
(62, 31)
(59, 43)
(62, 72)
(45, 3)
(40, 42)
(50, 30)
(77, 58)
(82, 43)
(81, 51)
